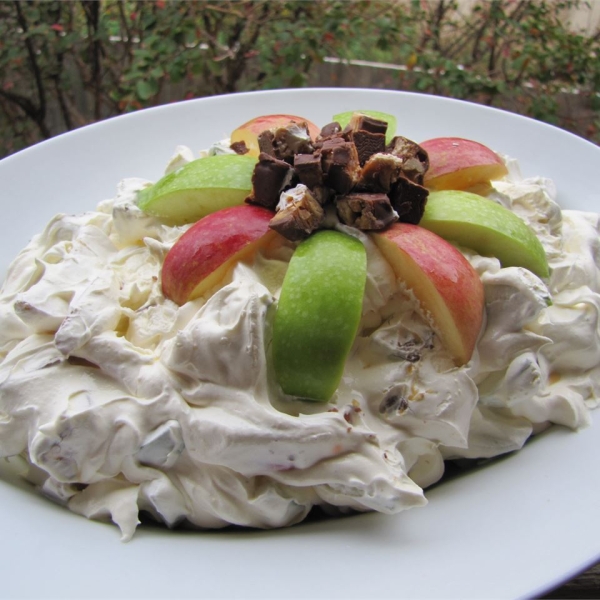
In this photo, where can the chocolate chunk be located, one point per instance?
(361, 122)
(239, 147)
(339, 161)
(380, 172)
(299, 216)
(269, 179)
(283, 142)
(409, 199)
(365, 211)
(308, 168)
(415, 160)
(367, 144)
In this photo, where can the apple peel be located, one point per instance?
(460, 164)
(447, 287)
(318, 314)
(205, 253)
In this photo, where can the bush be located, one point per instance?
(66, 64)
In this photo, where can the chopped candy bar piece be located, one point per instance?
(361, 122)
(415, 161)
(330, 130)
(366, 211)
(239, 147)
(368, 144)
(408, 199)
(270, 178)
(380, 173)
(283, 142)
(340, 164)
(299, 214)
(308, 168)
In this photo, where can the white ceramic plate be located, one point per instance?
(513, 529)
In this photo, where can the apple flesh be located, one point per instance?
(204, 254)
(199, 188)
(486, 227)
(344, 118)
(443, 281)
(248, 132)
(459, 164)
(318, 314)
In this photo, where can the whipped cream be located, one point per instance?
(120, 401)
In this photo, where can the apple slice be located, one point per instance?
(203, 255)
(199, 188)
(442, 279)
(248, 132)
(318, 314)
(486, 227)
(344, 118)
(459, 164)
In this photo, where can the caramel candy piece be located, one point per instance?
(409, 199)
(269, 179)
(299, 214)
(366, 211)
(415, 160)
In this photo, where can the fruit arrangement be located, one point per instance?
(287, 181)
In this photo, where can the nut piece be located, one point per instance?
(269, 179)
(366, 211)
(299, 214)
(415, 160)
(409, 200)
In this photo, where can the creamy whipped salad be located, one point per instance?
(115, 400)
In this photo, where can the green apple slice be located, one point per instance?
(318, 314)
(344, 118)
(486, 227)
(199, 188)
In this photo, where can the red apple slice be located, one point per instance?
(248, 132)
(459, 164)
(442, 279)
(203, 255)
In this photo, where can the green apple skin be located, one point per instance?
(486, 227)
(318, 314)
(344, 118)
(199, 188)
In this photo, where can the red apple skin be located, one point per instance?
(203, 255)
(459, 164)
(248, 132)
(442, 279)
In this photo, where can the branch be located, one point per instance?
(41, 109)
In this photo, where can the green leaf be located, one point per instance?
(145, 89)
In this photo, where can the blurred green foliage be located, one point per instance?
(66, 64)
